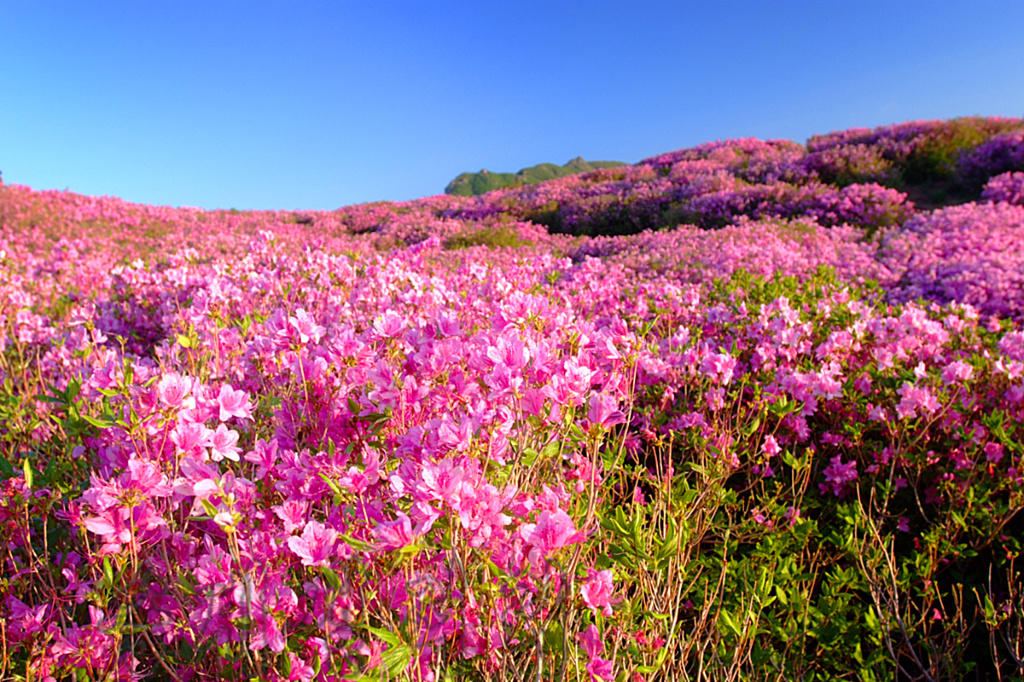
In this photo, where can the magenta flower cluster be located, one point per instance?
(319, 445)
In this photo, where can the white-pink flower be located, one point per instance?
(233, 404)
(316, 544)
(223, 444)
(174, 390)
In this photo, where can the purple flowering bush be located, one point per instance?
(1002, 153)
(1006, 187)
(971, 254)
(434, 440)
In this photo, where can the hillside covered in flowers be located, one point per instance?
(747, 410)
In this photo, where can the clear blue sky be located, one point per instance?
(304, 104)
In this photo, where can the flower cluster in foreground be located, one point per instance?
(439, 440)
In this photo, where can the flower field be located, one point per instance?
(751, 410)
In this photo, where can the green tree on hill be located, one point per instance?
(470, 184)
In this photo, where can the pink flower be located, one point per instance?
(292, 513)
(315, 545)
(760, 518)
(223, 444)
(301, 671)
(604, 411)
(715, 398)
(551, 532)
(956, 372)
(597, 668)
(914, 398)
(192, 438)
(233, 404)
(305, 327)
(25, 620)
(147, 478)
(174, 390)
(510, 352)
(372, 651)
(597, 590)
(837, 475)
(89, 646)
(389, 325)
(993, 452)
(123, 506)
(719, 366)
(394, 534)
(771, 446)
(264, 456)
(591, 641)
(268, 605)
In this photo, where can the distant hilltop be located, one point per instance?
(470, 184)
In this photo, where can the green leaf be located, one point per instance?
(494, 569)
(729, 621)
(670, 544)
(98, 423)
(355, 544)
(122, 616)
(386, 635)
(752, 427)
(396, 659)
(330, 483)
(208, 507)
(688, 496)
(316, 663)
(108, 571)
(27, 469)
(554, 636)
(287, 666)
(332, 578)
(183, 341)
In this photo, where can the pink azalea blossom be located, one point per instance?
(222, 444)
(392, 535)
(305, 328)
(604, 411)
(719, 366)
(192, 438)
(552, 531)
(956, 372)
(597, 590)
(174, 390)
(315, 546)
(914, 399)
(233, 404)
(598, 668)
(838, 474)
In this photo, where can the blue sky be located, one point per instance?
(305, 104)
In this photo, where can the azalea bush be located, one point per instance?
(432, 440)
